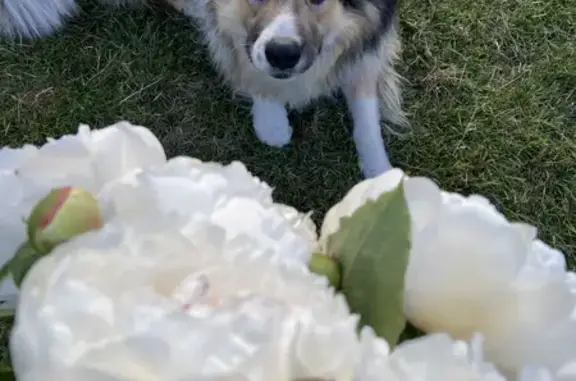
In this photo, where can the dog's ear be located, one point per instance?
(384, 9)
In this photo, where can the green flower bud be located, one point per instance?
(63, 214)
(329, 267)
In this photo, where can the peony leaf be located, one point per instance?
(6, 374)
(5, 269)
(373, 247)
(25, 257)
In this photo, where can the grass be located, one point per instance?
(490, 91)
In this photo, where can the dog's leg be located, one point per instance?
(368, 135)
(271, 122)
(361, 93)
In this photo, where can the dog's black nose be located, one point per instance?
(283, 55)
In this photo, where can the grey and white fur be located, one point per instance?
(282, 54)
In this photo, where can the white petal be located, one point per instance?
(235, 203)
(300, 221)
(438, 358)
(61, 162)
(13, 158)
(123, 147)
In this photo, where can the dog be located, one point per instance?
(282, 54)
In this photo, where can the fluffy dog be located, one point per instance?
(282, 54)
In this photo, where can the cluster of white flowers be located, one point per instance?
(198, 275)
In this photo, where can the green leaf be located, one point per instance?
(25, 257)
(373, 247)
(6, 374)
(5, 269)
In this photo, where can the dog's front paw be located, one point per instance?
(275, 133)
(271, 123)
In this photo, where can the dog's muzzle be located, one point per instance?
(283, 54)
(284, 58)
(279, 50)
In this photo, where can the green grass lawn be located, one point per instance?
(490, 91)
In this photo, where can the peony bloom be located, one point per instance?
(88, 160)
(471, 270)
(201, 195)
(143, 302)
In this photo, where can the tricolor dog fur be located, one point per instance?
(282, 54)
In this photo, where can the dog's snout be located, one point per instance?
(283, 55)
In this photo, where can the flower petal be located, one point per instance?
(229, 197)
(123, 147)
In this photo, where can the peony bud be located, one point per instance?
(63, 214)
(322, 264)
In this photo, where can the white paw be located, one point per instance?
(275, 133)
(271, 123)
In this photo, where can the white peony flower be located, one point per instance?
(471, 270)
(143, 302)
(89, 159)
(437, 357)
(228, 196)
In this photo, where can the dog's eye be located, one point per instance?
(317, 2)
